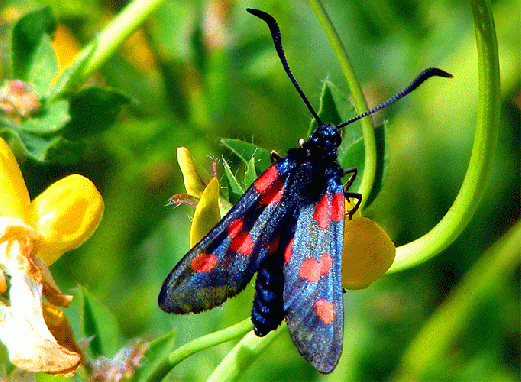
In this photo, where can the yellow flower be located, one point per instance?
(32, 236)
(368, 253)
(194, 183)
(207, 213)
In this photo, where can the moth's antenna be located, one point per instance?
(275, 35)
(426, 74)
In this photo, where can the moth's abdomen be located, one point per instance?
(268, 308)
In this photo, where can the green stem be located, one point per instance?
(368, 176)
(197, 345)
(242, 355)
(474, 184)
(103, 46)
(489, 274)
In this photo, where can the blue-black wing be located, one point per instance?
(313, 281)
(224, 261)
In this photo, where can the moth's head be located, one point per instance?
(325, 139)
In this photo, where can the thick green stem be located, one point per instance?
(197, 345)
(476, 178)
(242, 355)
(434, 341)
(358, 97)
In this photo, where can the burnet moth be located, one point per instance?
(287, 227)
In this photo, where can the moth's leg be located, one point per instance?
(353, 171)
(358, 198)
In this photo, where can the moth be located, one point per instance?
(287, 227)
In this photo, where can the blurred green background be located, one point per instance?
(199, 71)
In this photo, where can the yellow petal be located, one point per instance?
(65, 215)
(14, 197)
(206, 214)
(138, 50)
(368, 253)
(3, 282)
(66, 47)
(194, 183)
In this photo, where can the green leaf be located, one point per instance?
(100, 324)
(235, 190)
(36, 146)
(250, 175)
(157, 351)
(54, 149)
(330, 104)
(351, 152)
(43, 66)
(72, 75)
(43, 377)
(93, 110)
(353, 156)
(64, 152)
(246, 151)
(52, 119)
(382, 162)
(28, 53)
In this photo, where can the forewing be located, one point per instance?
(224, 261)
(312, 280)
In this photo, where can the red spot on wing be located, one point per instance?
(266, 179)
(310, 270)
(274, 245)
(325, 264)
(274, 193)
(243, 243)
(203, 262)
(235, 227)
(337, 207)
(325, 311)
(322, 213)
(287, 252)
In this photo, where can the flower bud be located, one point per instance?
(368, 253)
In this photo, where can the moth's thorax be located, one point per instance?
(314, 165)
(323, 142)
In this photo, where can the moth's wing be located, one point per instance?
(224, 261)
(313, 280)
